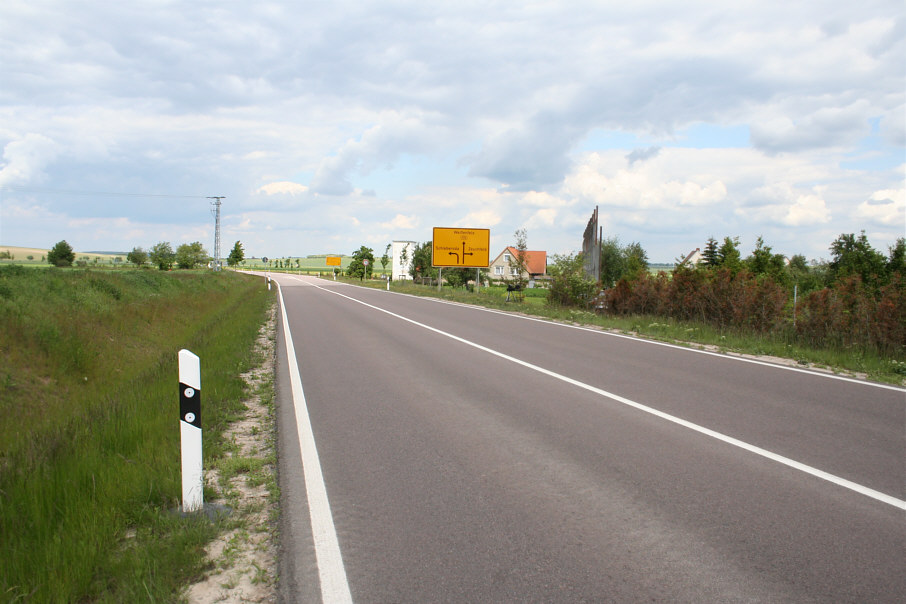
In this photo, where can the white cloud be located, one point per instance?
(380, 145)
(782, 203)
(480, 219)
(336, 121)
(665, 180)
(825, 127)
(887, 207)
(402, 222)
(283, 188)
(25, 159)
(545, 217)
(807, 210)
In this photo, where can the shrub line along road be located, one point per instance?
(468, 455)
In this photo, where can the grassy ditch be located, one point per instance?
(850, 360)
(89, 443)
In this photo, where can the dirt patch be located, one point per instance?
(243, 558)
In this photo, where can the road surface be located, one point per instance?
(457, 454)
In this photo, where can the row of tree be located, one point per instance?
(162, 255)
(858, 298)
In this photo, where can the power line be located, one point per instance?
(98, 193)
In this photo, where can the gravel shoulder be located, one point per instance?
(242, 560)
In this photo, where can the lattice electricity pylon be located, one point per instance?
(216, 211)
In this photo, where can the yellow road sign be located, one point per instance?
(461, 248)
(334, 261)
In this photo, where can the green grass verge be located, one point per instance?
(89, 445)
(849, 360)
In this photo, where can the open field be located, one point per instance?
(89, 445)
(34, 255)
(291, 264)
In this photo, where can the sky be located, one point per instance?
(326, 126)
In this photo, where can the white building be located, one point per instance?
(402, 259)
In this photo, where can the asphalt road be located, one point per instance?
(467, 455)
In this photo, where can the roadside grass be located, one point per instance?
(695, 335)
(89, 445)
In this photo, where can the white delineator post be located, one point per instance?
(190, 431)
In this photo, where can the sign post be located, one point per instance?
(190, 431)
(334, 261)
(460, 248)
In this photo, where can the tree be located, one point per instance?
(421, 261)
(519, 261)
(358, 268)
(61, 254)
(763, 263)
(896, 263)
(237, 255)
(190, 255)
(728, 255)
(162, 255)
(853, 255)
(635, 260)
(404, 257)
(137, 256)
(611, 261)
(618, 262)
(385, 259)
(709, 254)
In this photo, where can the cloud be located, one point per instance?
(642, 154)
(528, 157)
(661, 182)
(807, 210)
(887, 207)
(283, 188)
(469, 113)
(402, 222)
(25, 159)
(380, 146)
(782, 203)
(545, 217)
(826, 127)
(480, 219)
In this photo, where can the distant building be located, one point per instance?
(694, 257)
(402, 259)
(535, 262)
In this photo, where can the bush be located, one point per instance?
(844, 315)
(569, 286)
(716, 297)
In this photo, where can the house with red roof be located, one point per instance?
(535, 262)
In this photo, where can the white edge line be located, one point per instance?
(332, 574)
(853, 486)
(641, 340)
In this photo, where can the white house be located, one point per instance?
(402, 259)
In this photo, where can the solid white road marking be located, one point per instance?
(334, 586)
(723, 356)
(863, 490)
